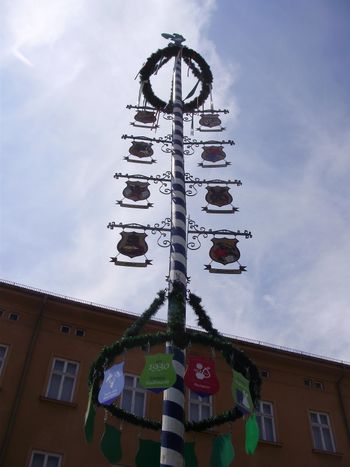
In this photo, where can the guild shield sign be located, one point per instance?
(132, 244)
(213, 153)
(200, 376)
(141, 149)
(145, 116)
(136, 191)
(113, 384)
(224, 250)
(158, 373)
(218, 195)
(210, 120)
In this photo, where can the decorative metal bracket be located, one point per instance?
(189, 144)
(163, 179)
(194, 231)
(162, 228)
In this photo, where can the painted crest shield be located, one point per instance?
(218, 195)
(141, 149)
(213, 153)
(113, 384)
(210, 120)
(200, 375)
(224, 250)
(145, 116)
(132, 244)
(136, 191)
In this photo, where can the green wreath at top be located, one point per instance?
(235, 358)
(197, 65)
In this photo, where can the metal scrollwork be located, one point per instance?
(163, 229)
(164, 181)
(191, 189)
(194, 231)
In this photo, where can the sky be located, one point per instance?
(67, 73)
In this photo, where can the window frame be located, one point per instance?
(200, 403)
(46, 454)
(262, 428)
(322, 426)
(134, 389)
(3, 361)
(62, 374)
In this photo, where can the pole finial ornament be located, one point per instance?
(176, 38)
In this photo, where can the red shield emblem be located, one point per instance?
(218, 195)
(136, 191)
(145, 116)
(224, 250)
(141, 149)
(210, 120)
(200, 376)
(132, 244)
(213, 153)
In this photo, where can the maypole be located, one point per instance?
(171, 371)
(172, 438)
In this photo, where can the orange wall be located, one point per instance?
(58, 427)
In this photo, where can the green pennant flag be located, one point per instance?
(223, 452)
(89, 420)
(190, 455)
(110, 444)
(159, 372)
(251, 434)
(148, 454)
(241, 393)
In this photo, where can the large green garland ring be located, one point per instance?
(234, 357)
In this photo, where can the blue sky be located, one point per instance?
(281, 68)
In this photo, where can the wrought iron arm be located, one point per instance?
(196, 232)
(162, 228)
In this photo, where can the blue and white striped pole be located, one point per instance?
(172, 437)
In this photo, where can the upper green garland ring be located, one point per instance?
(158, 59)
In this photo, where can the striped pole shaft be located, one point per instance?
(172, 437)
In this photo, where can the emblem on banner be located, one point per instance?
(213, 153)
(224, 250)
(210, 120)
(113, 384)
(201, 377)
(218, 195)
(241, 393)
(145, 116)
(158, 373)
(132, 244)
(136, 191)
(141, 149)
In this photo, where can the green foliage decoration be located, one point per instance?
(131, 338)
(196, 64)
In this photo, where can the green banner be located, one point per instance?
(241, 392)
(159, 372)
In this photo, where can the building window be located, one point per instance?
(62, 380)
(311, 384)
(80, 332)
(45, 459)
(65, 329)
(13, 316)
(322, 432)
(266, 422)
(199, 407)
(3, 354)
(133, 398)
